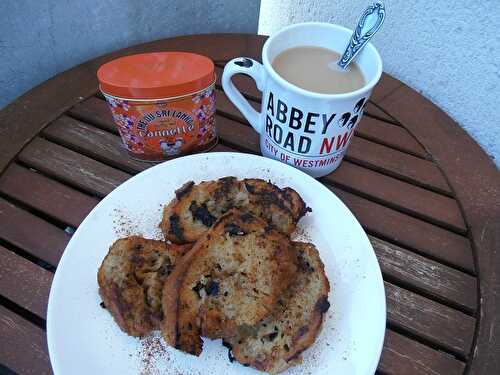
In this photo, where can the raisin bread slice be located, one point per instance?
(276, 343)
(231, 278)
(196, 207)
(131, 279)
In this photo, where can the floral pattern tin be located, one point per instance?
(180, 122)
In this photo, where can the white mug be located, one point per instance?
(308, 130)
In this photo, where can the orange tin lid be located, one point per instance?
(156, 75)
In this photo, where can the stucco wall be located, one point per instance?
(449, 51)
(41, 38)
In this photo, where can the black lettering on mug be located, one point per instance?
(304, 144)
(281, 112)
(270, 103)
(352, 122)
(289, 141)
(343, 120)
(359, 105)
(269, 125)
(244, 62)
(327, 122)
(310, 122)
(277, 134)
(295, 117)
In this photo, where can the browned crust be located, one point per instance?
(170, 300)
(302, 342)
(112, 303)
(286, 199)
(120, 301)
(299, 206)
(184, 189)
(305, 341)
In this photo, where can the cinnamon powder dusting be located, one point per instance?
(152, 350)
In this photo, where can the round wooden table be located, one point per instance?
(424, 191)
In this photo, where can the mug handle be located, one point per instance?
(252, 68)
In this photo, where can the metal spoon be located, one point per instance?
(375, 15)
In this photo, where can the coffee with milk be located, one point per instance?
(314, 69)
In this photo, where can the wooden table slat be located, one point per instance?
(223, 148)
(24, 348)
(391, 192)
(92, 141)
(228, 109)
(373, 110)
(389, 135)
(244, 83)
(385, 87)
(402, 356)
(94, 111)
(44, 194)
(24, 283)
(32, 234)
(434, 322)
(71, 167)
(394, 163)
(410, 232)
(425, 275)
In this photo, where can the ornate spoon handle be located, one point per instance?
(359, 37)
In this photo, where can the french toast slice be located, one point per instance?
(276, 343)
(197, 207)
(131, 279)
(231, 278)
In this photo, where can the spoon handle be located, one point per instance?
(360, 38)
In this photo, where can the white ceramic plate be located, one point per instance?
(83, 338)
